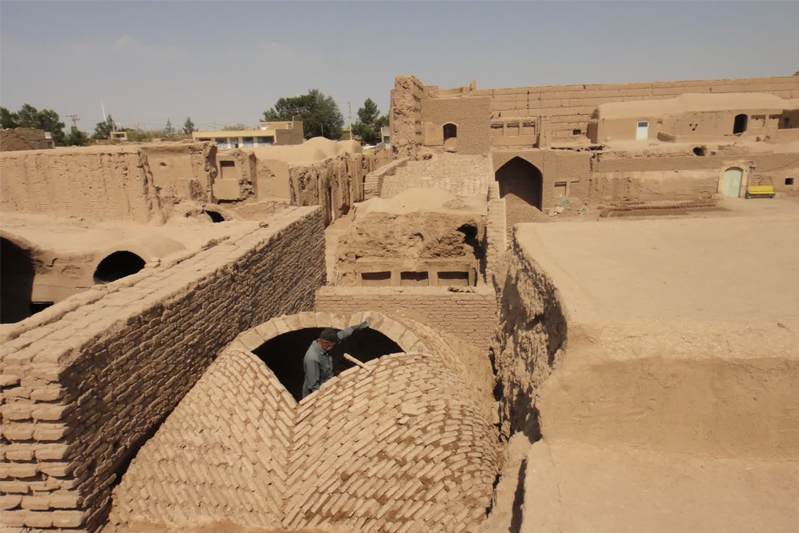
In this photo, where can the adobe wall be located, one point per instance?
(569, 107)
(182, 170)
(85, 381)
(342, 175)
(102, 183)
(469, 315)
(555, 166)
(405, 118)
(529, 342)
(461, 175)
(470, 115)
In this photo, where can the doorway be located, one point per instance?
(521, 179)
(731, 183)
(740, 124)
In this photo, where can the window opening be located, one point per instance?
(740, 124)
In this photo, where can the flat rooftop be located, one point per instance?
(743, 266)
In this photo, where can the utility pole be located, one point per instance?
(349, 105)
(74, 119)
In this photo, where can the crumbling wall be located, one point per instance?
(406, 115)
(182, 170)
(237, 179)
(335, 184)
(528, 343)
(470, 315)
(461, 175)
(97, 183)
(84, 385)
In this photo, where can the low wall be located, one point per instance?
(469, 315)
(85, 385)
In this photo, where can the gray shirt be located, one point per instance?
(318, 364)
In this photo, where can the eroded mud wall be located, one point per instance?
(83, 385)
(102, 183)
(528, 344)
(182, 170)
(406, 115)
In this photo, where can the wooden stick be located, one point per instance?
(351, 359)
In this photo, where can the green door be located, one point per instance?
(731, 187)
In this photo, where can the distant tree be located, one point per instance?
(235, 127)
(369, 122)
(30, 117)
(8, 119)
(188, 127)
(169, 130)
(76, 138)
(319, 114)
(103, 129)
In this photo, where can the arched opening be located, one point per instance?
(450, 131)
(740, 124)
(284, 354)
(215, 216)
(118, 265)
(16, 282)
(522, 180)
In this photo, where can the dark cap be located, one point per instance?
(329, 335)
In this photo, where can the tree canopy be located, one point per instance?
(369, 122)
(319, 114)
(188, 127)
(76, 137)
(103, 129)
(30, 117)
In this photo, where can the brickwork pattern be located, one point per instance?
(398, 447)
(470, 315)
(373, 183)
(460, 175)
(569, 107)
(85, 382)
(222, 452)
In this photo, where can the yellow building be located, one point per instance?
(268, 133)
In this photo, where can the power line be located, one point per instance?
(74, 119)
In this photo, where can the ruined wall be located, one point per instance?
(237, 179)
(529, 342)
(335, 184)
(470, 115)
(84, 385)
(98, 183)
(406, 116)
(468, 314)
(463, 176)
(569, 107)
(373, 182)
(182, 170)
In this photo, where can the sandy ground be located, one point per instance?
(742, 264)
(581, 489)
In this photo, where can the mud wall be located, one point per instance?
(470, 315)
(86, 381)
(569, 107)
(463, 176)
(335, 184)
(406, 116)
(528, 344)
(105, 183)
(182, 170)
(470, 115)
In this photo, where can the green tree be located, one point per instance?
(188, 127)
(319, 114)
(369, 122)
(30, 117)
(8, 119)
(169, 130)
(235, 127)
(76, 138)
(103, 129)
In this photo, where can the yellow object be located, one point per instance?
(756, 191)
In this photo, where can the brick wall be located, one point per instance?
(462, 176)
(472, 116)
(84, 388)
(469, 315)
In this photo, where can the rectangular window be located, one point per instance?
(264, 141)
(453, 279)
(497, 129)
(528, 128)
(512, 129)
(414, 279)
(227, 164)
(788, 181)
(376, 279)
(247, 142)
(561, 189)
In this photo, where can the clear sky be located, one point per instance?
(226, 62)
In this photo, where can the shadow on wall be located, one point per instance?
(284, 353)
(16, 282)
(521, 179)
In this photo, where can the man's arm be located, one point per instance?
(313, 374)
(346, 333)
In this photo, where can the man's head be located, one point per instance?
(328, 339)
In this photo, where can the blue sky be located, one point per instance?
(226, 62)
